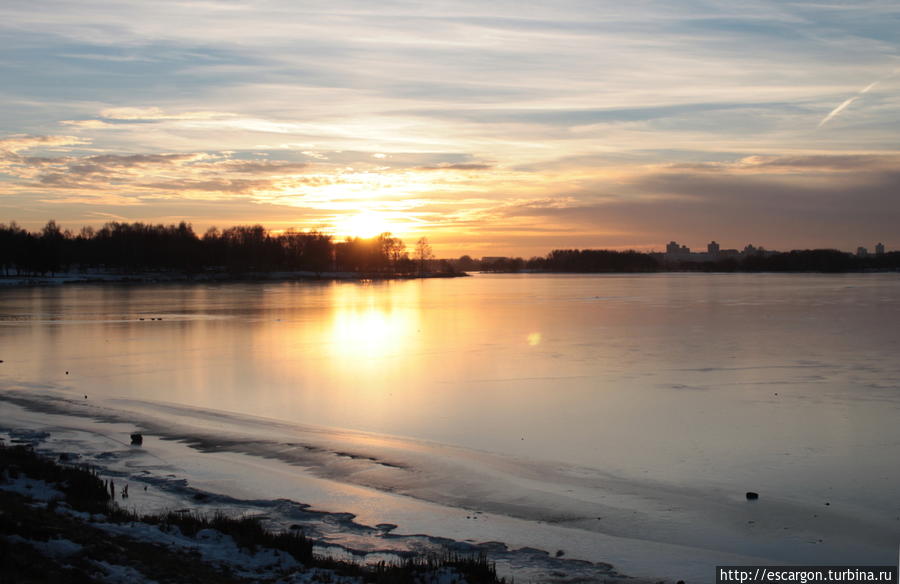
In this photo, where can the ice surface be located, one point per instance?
(614, 418)
(214, 460)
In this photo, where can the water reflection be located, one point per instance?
(369, 324)
(727, 376)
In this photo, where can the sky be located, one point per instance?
(491, 128)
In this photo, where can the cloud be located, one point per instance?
(787, 164)
(824, 162)
(18, 143)
(457, 166)
(134, 114)
(529, 114)
(211, 185)
(268, 167)
(110, 161)
(110, 177)
(88, 124)
(825, 201)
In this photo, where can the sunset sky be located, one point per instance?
(492, 128)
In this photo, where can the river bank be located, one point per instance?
(61, 522)
(206, 277)
(162, 492)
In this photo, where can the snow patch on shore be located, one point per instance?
(54, 548)
(36, 489)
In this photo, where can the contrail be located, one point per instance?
(861, 93)
(844, 105)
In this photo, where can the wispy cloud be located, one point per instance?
(457, 166)
(14, 144)
(155, 113)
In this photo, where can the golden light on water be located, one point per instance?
(367, 330)
(365, 327)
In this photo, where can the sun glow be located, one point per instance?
(365, 224)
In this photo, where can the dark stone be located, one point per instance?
(137, 439)
(751, 496)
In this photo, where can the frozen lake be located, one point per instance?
(620, 418)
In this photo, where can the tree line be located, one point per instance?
(140, 247)
(609, 261)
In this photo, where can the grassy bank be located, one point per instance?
(60, 523)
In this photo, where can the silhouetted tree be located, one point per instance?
(423, 254)
(466, 263)
(594, 260)
(135, 247)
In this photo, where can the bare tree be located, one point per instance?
(423, 253)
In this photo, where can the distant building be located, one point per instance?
(673, 249)
(862, 252)
(879, 249)
(676, 253)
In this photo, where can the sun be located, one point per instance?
(364, 224)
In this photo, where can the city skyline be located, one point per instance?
(491, 130)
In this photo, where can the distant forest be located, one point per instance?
(606, 261)
(137, 247)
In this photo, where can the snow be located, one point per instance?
(265, 564)
(213, 546)
(37, 490)
(55, 548)
(115, 574)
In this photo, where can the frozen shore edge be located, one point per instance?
(206, 278)
(193, 502)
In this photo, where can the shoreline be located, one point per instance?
(187, 475)
(195, 470)
(151, 278)
(208, 278)
(294, 477)
(173, 495)
(61, 521)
